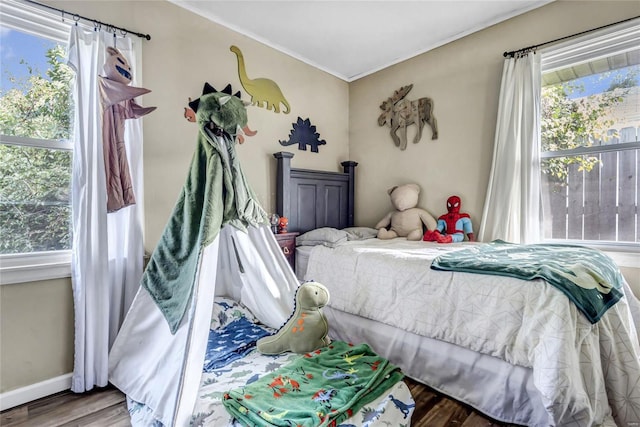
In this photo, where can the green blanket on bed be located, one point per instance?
(586, 276)
(321, 388)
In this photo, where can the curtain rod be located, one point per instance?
(95, 22)
(535, 46)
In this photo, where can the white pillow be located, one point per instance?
(360, 233)
(326, 236)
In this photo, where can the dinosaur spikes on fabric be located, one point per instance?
(227, 89)
(208, 89)
(194, 105)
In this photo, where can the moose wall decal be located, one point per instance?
(399, 112)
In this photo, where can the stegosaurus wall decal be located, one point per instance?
(303, 134)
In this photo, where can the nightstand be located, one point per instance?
(287, 242)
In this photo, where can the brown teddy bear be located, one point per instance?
(407, 219)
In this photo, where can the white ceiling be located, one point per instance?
(351, 39)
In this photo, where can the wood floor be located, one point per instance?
(107, 408)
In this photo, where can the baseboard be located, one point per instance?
(32, 392)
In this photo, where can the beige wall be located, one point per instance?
(36, 332)
(463, 78)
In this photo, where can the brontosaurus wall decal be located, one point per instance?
(262, 91)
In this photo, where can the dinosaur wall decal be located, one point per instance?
(303, 134)
(262, 90)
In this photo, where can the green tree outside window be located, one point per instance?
(35, 183)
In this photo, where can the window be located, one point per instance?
(590, 138)
(35, 147)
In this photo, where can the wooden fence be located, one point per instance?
(601, 204)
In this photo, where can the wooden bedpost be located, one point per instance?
(283, 183)
(350, 169)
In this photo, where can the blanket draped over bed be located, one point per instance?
(214, 194)
(586, 276)
(321, 388)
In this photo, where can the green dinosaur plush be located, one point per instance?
(307, 328)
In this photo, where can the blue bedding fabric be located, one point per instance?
(588, 277)
(234, 341)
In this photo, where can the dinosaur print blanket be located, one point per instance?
(231, 343)
(586, 276)
(319, 389)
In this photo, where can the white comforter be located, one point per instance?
(586, 374)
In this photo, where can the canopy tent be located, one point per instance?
(217, 242)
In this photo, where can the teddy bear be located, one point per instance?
(407, 219)
(452, 226)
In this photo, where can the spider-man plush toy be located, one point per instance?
(451, 226)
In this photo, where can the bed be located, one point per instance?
(518, 350)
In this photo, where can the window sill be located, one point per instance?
(21, 268)
(623, 254)
(624, 259)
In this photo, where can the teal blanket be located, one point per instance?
(586, 276)
(318, 389)
(215, 193)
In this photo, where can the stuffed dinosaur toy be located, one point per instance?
(307, 328)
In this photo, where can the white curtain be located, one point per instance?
(107, 248)
(512, 205)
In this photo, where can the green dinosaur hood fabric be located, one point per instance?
(215, 194)
(224, 110)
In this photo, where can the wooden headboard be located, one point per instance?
(313, 199)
